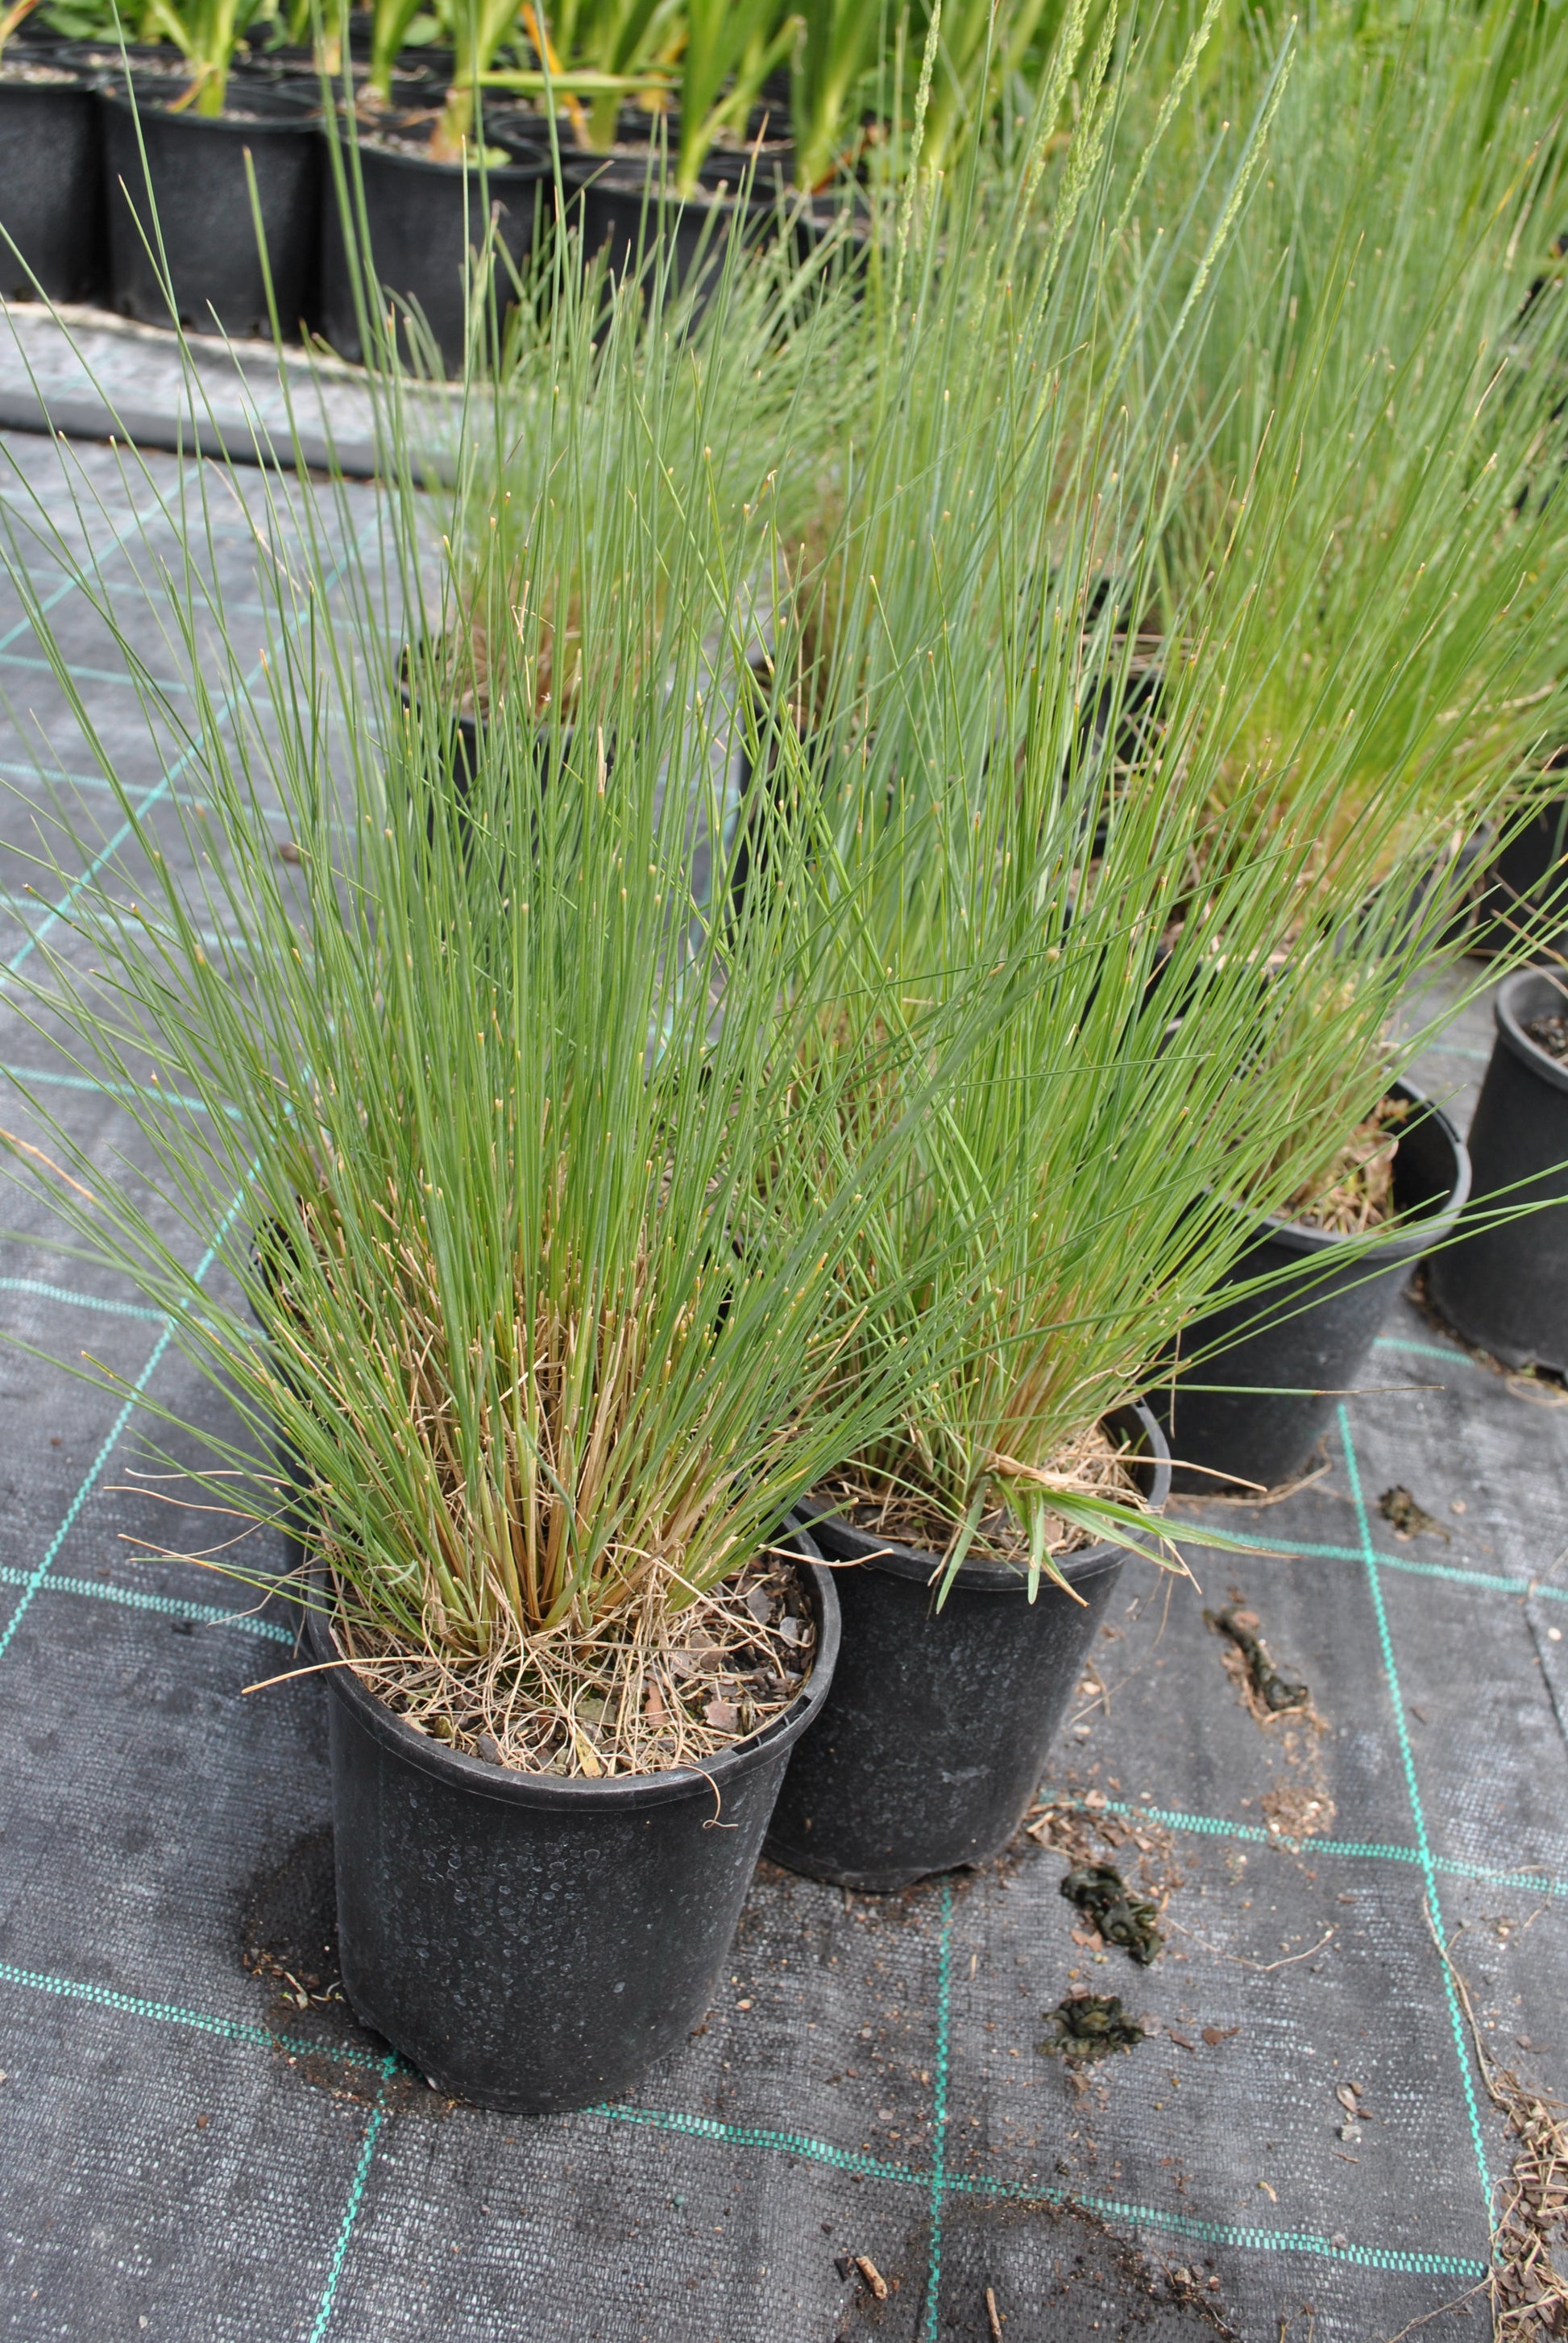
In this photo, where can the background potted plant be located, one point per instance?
(421, 192)
(213, 193)
(50, 170)
(1393, 576)
(1503, 1284)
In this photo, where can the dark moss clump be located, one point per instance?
(1102, 1895)
(1091, 2026)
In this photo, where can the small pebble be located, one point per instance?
(489, 1748)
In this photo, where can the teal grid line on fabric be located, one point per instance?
(211, 1615)
(1493, 1582)
(803, 2145)
(1453, 1358)
(79, 674)
(1407, 1758)
(1246, 2237)
(941, 2060)
(36, 1578)
(14, 770)
(356, 2198)
(24, 1075)
(1354, 1849)
(79, 1300)
(173, 2013)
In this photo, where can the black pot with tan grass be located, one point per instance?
(539, 1314)
(532, 1928)
(1269, 1368)
(934, 1734)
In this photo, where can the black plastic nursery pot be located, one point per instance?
(196, 166)
(934, 1737)
(423, 219)
(51, 182)
(1305, 1342)
(623, 208)
(1525, 876)
(533, 1942)
(1505, 1287)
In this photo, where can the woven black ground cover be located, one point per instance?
(197, 2144)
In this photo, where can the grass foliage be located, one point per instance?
(1119, 589)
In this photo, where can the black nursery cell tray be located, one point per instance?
(866, 2134)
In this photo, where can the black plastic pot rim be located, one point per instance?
(621, 1793)
(980, 1576)
(1412, 1238)
(1506, 1008)
(641, 175)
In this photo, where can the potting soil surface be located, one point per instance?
(870, 2130)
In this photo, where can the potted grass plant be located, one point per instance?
(215, 188)
(505, 619)
(952, 626)
(1391, 675)
(601, 67)
(1180, 1066)
(535, 1248)
(838, 47)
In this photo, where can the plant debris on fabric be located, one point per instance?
(1275, 1694)
(1409, 1519)
(1356, 1192)
(1091, 2025)
(1083, 1829)
(640, 1693)
(1120, 1917)
(1095, 1462)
